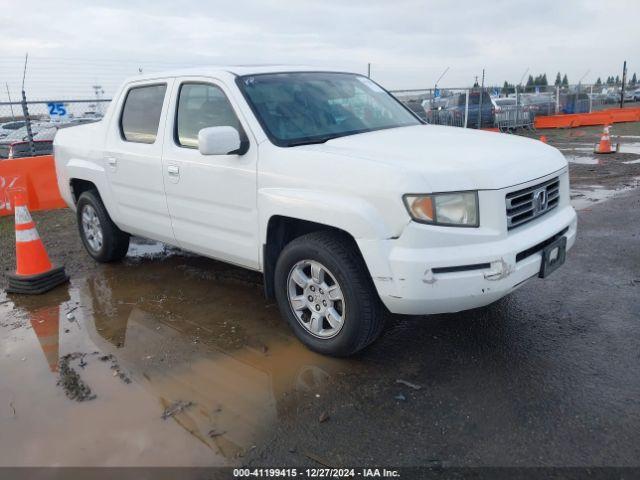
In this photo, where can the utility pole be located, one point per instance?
(480, 102)
(368, 70)
(435, 87)
(522, 77)
(25, 111)
(624, 77)
(98, 91)
(10, 104)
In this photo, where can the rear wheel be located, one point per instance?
(325, 292)
(102, 239)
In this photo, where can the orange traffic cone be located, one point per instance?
(543, 139)
(605, 142)
(34, 272)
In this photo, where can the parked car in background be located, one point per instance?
(477, 117)
(20, 134)
(16, 144)
(538, 103)
(632, 95)
(415, 105)
(341, 197)
(502, 102)
(9, 127)
(22, 149)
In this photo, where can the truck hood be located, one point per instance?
(452, 158)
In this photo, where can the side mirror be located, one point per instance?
(220, 141)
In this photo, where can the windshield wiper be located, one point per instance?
(311, 141)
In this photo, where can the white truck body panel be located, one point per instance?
(220, 205)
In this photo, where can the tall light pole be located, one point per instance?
(624, 78)
(25, 111)
(435, 87)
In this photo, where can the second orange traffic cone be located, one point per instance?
(34, 272)
(605, 142)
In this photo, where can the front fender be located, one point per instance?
(352, 214)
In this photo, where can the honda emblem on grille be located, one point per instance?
(540, 200)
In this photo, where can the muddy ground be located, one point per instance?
(173, 359)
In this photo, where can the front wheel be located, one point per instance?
(325, 292)
(102, 239)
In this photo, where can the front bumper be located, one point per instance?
(407, 283)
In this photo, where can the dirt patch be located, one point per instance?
(176, 408)
(117, 371)
(74, 387)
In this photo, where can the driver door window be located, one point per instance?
(201, 106)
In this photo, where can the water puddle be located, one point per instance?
(582, 160)
(633, 147)
(585, 197)
(577, 149)
(141, 247)
(214, 345)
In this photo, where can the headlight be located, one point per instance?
(459, 209)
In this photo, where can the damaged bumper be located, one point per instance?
(452, 269)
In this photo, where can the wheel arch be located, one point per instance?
(79, 186)
(280, 231)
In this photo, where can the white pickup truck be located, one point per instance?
(346, 202)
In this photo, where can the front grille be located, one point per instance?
(531, 202)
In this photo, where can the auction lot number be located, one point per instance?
(316, 472)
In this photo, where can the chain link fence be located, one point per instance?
(28, 128)
(508, 109)
(77, 97)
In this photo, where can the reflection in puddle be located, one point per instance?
(215, 343)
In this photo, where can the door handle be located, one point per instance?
(112, 161)
(173, 170)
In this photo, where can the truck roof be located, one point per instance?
(231, 69)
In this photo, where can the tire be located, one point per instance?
(360, 310)
(113, 243)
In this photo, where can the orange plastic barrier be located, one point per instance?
(35, 177)
(603, 117)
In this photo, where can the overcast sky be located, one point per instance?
(73, 44)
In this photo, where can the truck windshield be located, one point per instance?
(313, 107)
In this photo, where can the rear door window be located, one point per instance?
(141, 113)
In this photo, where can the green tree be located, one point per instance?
(617, 80)
(507, 88)
(634, 80)
(565, 81)
(529, 86)
(598, 82)
(558, 80)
